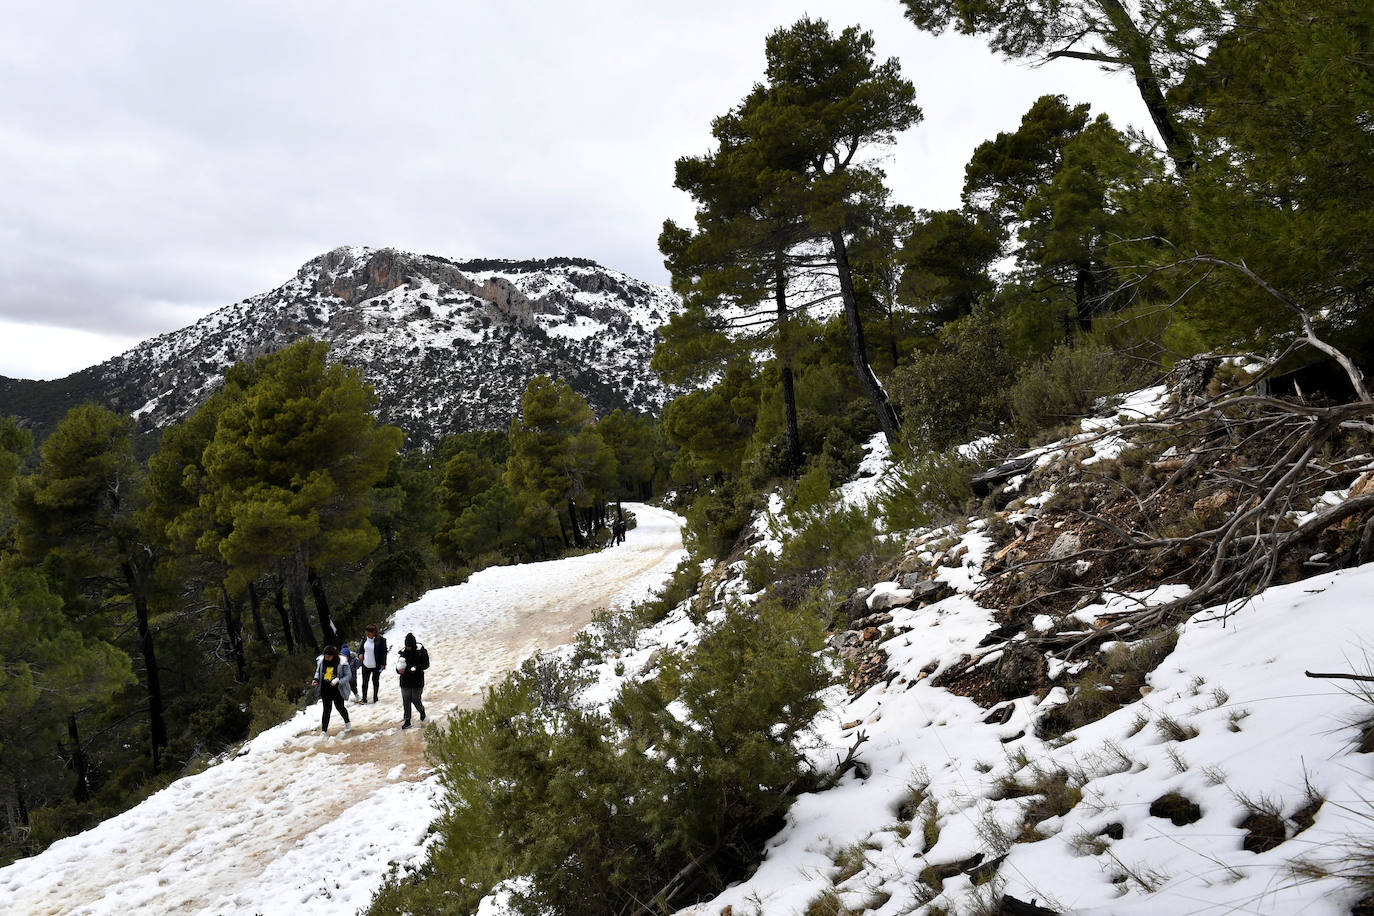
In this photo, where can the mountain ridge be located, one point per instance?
(448, 345)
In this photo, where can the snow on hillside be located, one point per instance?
(936, 820)
(1265, 735)
(297, 822)
(1227, 723)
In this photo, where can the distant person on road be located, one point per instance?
(331, 681)
(372, 658)
(618, 531)
(411, 666)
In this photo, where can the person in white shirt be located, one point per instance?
(372, 658)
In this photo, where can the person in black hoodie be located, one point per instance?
(414, 661)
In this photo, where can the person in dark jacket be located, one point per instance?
(331, 680)
(414, 660)
(371, 657)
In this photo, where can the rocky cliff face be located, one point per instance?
(448, 345)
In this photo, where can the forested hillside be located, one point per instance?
(155, 614)
(1218, 263)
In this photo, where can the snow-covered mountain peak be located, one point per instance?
(448, 345)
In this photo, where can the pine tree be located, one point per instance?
(946, 258)
(53, 672)
(478, 512)
(77, 520)
(712, 426)
(1155, 42)
(15, 445)
(1053, 189)
(290, 471)
(747, 248)
(825, 102)
(558, 462)
(642, 453)
(1286, 185)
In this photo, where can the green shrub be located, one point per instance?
(840, 546)
(683, 584)
(269, 707)
(715, 519)
(926, 487)
(584, 806)
(1066, 386)
(957, 392)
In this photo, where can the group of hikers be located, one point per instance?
(338, 672)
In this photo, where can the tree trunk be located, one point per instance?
(789, 389)
(327, 631)
(295, 597)
(1081, 322)
(234, 630)
(891, 314)
(158, 726)
(1136, 47)
(259, 628)
(578, 540)
(78, 765)
(286, 624)
(858, 349)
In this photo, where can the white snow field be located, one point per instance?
(299, 822)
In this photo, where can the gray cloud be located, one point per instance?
(164, 159)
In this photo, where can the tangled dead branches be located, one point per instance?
(1261, 462)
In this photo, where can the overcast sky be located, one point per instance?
(160, 160)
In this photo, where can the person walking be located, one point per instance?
(372, 658)
(346, 655)
(331, 682)
(414, 661)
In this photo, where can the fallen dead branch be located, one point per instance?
(1264, 460)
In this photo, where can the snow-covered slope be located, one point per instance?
(1229, 783)
(448, 346)
(1256, 735)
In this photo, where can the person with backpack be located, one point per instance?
(331, 685)
(349, 659)
(371, 656)
(411, 666)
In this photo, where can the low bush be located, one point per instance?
(1067, 385)
(584, 807)
(840, 547)
(683, 584)
(715, 519)
(958, 391)
(1113, 680)
(927, 487)
(269, 707)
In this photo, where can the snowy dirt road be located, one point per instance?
(298, 819)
